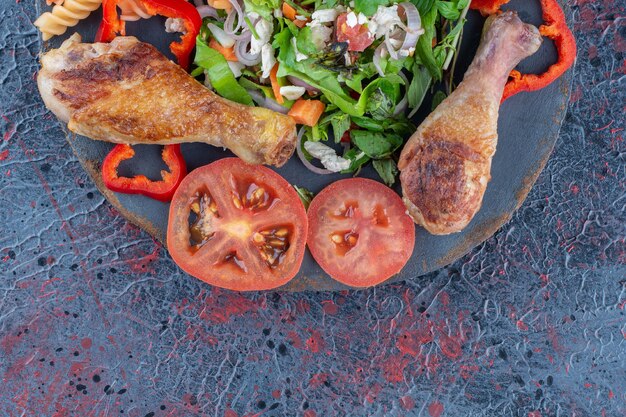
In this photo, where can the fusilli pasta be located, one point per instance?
(132, 11)
(63, 16)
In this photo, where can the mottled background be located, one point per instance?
(96, 320)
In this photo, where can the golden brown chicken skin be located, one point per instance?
(445, 166)
(128, 92)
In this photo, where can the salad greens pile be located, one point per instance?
(370, 62)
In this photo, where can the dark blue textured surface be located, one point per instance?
(95, 319)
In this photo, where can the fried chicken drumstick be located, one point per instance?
(128, 92)
(445, 166)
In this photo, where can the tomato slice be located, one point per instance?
(359, 232)
(237, 226)
(358, 37)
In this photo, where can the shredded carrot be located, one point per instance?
(228, 53)
(221, 4)
(275, 85)
(307, 112)
(290, 13)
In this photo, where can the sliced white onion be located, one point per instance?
(393, 52)
(225, 40)
(242, 51)
(305, 161)
(206, 11)
(297, 81)
(236, 68)
(266, 102)
(413, 25)
(237, 13)
(376, 59)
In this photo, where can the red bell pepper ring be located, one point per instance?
(112, 25)
(555, 28)
(159, 190)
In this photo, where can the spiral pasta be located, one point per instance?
(63, 16)
(132, 11)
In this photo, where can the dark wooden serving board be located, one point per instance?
(528, 128)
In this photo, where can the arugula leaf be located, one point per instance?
(380, 104)
(340, 123)
(419, 86)
(387, 170)
(437, 99)
(282, 42)
(219, 73)
(355, 79)
(305, 196)
(380, 92)
(376, 145)
(369, 7)
(305, 43)
(425, 52)
(423, 6)
(368, 124)
(357, 159)
(448, 9)
(401, 127)
(324, 80)
(264, 8)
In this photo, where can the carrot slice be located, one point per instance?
(307, 112)
(228, 53)
(290, 13)
(275, 85)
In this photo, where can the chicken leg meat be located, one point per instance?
(128, 92)
(445, 166)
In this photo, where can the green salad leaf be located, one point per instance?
(359, 97)
(423, 6)
(419, 85)
(219, 73)
(264, 8)
(369, 7)
(387, 169)
(304, 41)
(357, 159)
(376, 144)
(305, 196)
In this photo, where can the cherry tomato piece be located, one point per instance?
(358, 36)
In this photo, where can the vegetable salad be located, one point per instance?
(351, 73)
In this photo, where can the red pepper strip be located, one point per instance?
(487, 7)
(112, 25)
(555, 28)
(159, 190)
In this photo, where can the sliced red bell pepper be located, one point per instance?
(112, 25)
(487, 7)
(555, 28)
(159, 190)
